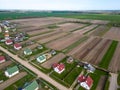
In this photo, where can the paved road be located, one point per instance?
(113, 82)
(32, 68)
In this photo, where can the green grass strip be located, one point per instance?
(108, 56)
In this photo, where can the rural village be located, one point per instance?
(54, 53)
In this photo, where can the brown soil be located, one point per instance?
(114, 65)
(53, 60)
(113, 34)
(64, 42)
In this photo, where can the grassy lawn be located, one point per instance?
(118, 79)
(21, 82)
(75, 44)
(2, 76)
(96, 77)
(108, 56)
(81, 88)
(70, 78)
(68, 68)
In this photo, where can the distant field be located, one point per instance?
(16, 15)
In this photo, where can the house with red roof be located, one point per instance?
(2, 59)
(85, 81)
(59, 68)
(8, 42)
(17, 46)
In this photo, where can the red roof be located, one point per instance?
(88, 80)
(2, 58)
(9, 41)
(17, 45)
(59, 66)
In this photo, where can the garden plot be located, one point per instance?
(113, 34)
(114, 65)
(5, 64)
(63, 42)
(66, 27)
(93, 56)
(86, 29)
(87, 48)
(53, 60)
(101, 83)
(12, 80)
(47, 39)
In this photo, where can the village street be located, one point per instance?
(113, 82)
(39, 73)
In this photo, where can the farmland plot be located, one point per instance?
(63, 42)
(44, 35)
(86, 29)
(35, 32)
(114, 65)
(76, 49)
(53, 60)
(70, 26)
(93, 56)
(113, 34)
(58, 35)
(38, 21)
(87, 48)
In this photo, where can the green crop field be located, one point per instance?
(108, 56)
(15, 15)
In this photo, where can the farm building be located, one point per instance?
(12, 71)
(8, 42)
(48, 55)
(27, 51)
(89, 67)
(2, 59)
(17, 46)
(85, 81)
(32, 86)
(59, 68)
(41, 58)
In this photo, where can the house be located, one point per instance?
(85, 81)
(27, 51)
(2, 59)
(12, 71)
(59, 68)
(17, 46)
(41, 58)
(32, 86)
(53, 52)
(8, 42)
(89, 67)
(40, 47)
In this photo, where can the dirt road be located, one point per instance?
(32, 68)
(113, 82)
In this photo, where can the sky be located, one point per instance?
(60, 4)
